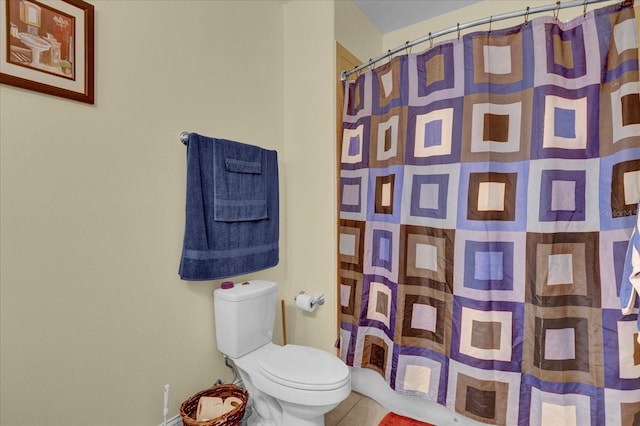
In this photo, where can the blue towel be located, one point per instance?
(630, 283)
(232, 209)
(239, 184)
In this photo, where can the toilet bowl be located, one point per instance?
(293, 385)
(288, 385)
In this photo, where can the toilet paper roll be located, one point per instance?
(304, 302)
(230, 404)
(209, 407)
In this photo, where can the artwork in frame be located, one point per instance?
(48, 47)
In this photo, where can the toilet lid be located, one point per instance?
(303, 367)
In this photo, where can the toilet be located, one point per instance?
(289, 385)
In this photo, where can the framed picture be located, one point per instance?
(48, 47)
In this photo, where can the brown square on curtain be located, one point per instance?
(583, 250)
(387, 139)
(481, 402)
(350, 295)
(374, 354)
(382, 303)
(509, 198)
(408, 329)
(619, 206)
(434, 69)
(630, 109)
(384, 185)
(495, 128)
(351, 255)
(414, 270)
(431, 333)
(512, 42)
(485, 334)
(484, 400)
(630, 413)
(544, 355)
(348, 285)
(562, 52)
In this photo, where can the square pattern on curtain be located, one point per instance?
(488, 188)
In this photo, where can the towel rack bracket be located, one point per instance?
(184, 137)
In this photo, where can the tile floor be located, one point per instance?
(356, 410)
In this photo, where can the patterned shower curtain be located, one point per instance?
(488, 188)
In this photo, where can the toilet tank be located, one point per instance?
(244, 316)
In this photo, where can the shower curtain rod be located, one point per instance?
(528, 11)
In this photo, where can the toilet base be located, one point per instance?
(268, 411)
(287, 420)
(297, 415)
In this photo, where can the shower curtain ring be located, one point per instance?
(389, 55)
(407, 49)
(458, 30)
(584, 9)
(556, 13)
(526, 16)
(490, 22)
(430, 41)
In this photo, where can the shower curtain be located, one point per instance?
(488, 188)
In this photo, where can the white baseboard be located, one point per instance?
(174, 421)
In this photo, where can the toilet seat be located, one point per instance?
(291, 390)
(303, 367)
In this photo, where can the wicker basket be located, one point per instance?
(189, 408)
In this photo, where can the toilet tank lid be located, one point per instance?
(245, 290)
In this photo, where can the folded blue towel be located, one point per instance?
(239, 185)
(630, 284)
(232, 209)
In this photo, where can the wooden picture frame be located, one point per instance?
(48, 47)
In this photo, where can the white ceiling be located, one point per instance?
(390, 15)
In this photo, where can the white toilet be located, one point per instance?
(290, 385)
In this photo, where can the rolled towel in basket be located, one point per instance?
(209, 407)
(230, 404)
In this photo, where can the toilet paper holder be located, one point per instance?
(318, 299)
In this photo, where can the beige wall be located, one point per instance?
(355, 31)
(309, 111)
(94, 318)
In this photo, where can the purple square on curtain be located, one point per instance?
(350, 199)
(418, 207)
(488, 265)
(381, 253)
(354, 145)
(549, 193)
(573, 37)
(565, 123)
(433, 133)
